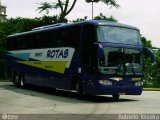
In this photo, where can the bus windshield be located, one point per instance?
(120, 61)
(118, 35)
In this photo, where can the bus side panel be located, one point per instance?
(42, 77)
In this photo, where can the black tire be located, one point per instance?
(15, 79)
(115, 96)
(79, 89)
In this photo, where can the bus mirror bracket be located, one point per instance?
(149, 53)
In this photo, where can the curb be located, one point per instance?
(5, 81)
(151, 89)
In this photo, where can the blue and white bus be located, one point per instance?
(91, 57)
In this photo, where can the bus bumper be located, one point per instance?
(119, 90)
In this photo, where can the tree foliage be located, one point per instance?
(151, 71)
(111, 2)
(98, 17)
(64, 7)
(15, 25)
(45, 7)
(103, 17)
(80, 19)
(107, 2)
(145, 42)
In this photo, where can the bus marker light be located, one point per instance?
(136, 79)
(117, 78)
(105, 82)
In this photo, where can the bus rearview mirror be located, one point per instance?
(149, 53)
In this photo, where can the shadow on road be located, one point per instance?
(58, 95)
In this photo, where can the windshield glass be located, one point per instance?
(118, 35)
(120, 61)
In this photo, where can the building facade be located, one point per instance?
(2, 12)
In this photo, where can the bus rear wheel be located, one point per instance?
(18, 80)
(115, 96)
(15, 79)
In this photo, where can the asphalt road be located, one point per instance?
(43, 101)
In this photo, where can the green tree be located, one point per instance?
(151, 70)
(45, 7)
(80, 19)
(103, 17)
(145, 42)
(156, 69)
(147, 65)
(66, 8)
(111, 2)
(107, 2)
(98, 17)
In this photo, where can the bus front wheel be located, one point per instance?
(79, 90)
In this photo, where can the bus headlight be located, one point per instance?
(140, 83)
(105, 82)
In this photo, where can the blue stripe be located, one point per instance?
(23, 56)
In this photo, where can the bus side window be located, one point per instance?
(88, 36)
(88, 50)
(54, 38)
(71, 36)
(11, 43)
(23, 44)
(18, 43)
(30, 41)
